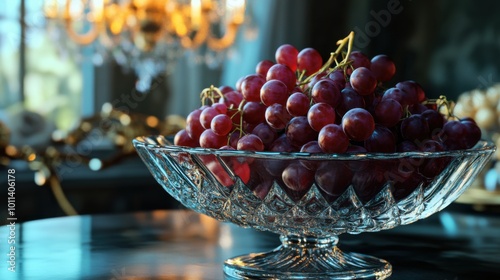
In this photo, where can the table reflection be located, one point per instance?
(187, 245)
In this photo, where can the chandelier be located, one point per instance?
(148, 35)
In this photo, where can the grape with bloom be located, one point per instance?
(349, 104)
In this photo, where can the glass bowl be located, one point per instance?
(310, 199)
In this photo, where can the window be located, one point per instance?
(38, 71)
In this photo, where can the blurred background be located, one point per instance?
(80, 79)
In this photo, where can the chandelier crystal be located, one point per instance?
(149, 35)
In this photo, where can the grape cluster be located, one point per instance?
(297, 103)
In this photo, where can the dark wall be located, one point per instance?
(447, 46)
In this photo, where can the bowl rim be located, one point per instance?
(160, 142)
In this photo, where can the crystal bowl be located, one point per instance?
(310, 199)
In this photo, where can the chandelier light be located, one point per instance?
(148, 35)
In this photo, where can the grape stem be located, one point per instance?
(333, 56)
(212, 93)
(443, 102)
(301, 75)
(240, 109)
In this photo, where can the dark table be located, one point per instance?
(180, 244)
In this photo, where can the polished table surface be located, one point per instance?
(180, 244)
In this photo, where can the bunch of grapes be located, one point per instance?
(297, 103)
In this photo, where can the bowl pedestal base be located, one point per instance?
(307, 258)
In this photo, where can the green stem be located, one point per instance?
(333, 56)
(212, 93)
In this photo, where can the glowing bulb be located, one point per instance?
(235, 10)
(196, 13)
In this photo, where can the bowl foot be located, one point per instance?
(307, 258)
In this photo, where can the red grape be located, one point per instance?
(234, 137)
(434, 120)
(350, 99)
(263, 66)
(207, 115)
(297, 104)
(415, 127)
(309, 60)
(472, 133)
(208, 139)
(382, 67)
(220, 107)
(363, 81)
(319, 115)
(388, 112)
(250, 142)
(338, 77)
(274, 91)
(355, 149)
(297, 177)
(382, 140)
(282, 144)
(193, 125)
(332, 139)
(277, 116)
(359, 59)
(250, 87)
(356, 165)
(368, 182)
(313, 148)
(418, 108)
(314, 80)
(221, 125)
(260, 185)
(254, 112)
(333, 178)
(287, 54)
(431, 167)
(406, 146)
(326, 91)
(228, 148)
(299, 132)
(182, 139)
(283, 73)
(225, 89)
(358, 124)
(266, 133)
(414, 90)
(232, 98)
(404, 98)
(453, 135)
(248, 127)
(431, 146)
(237, 86)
